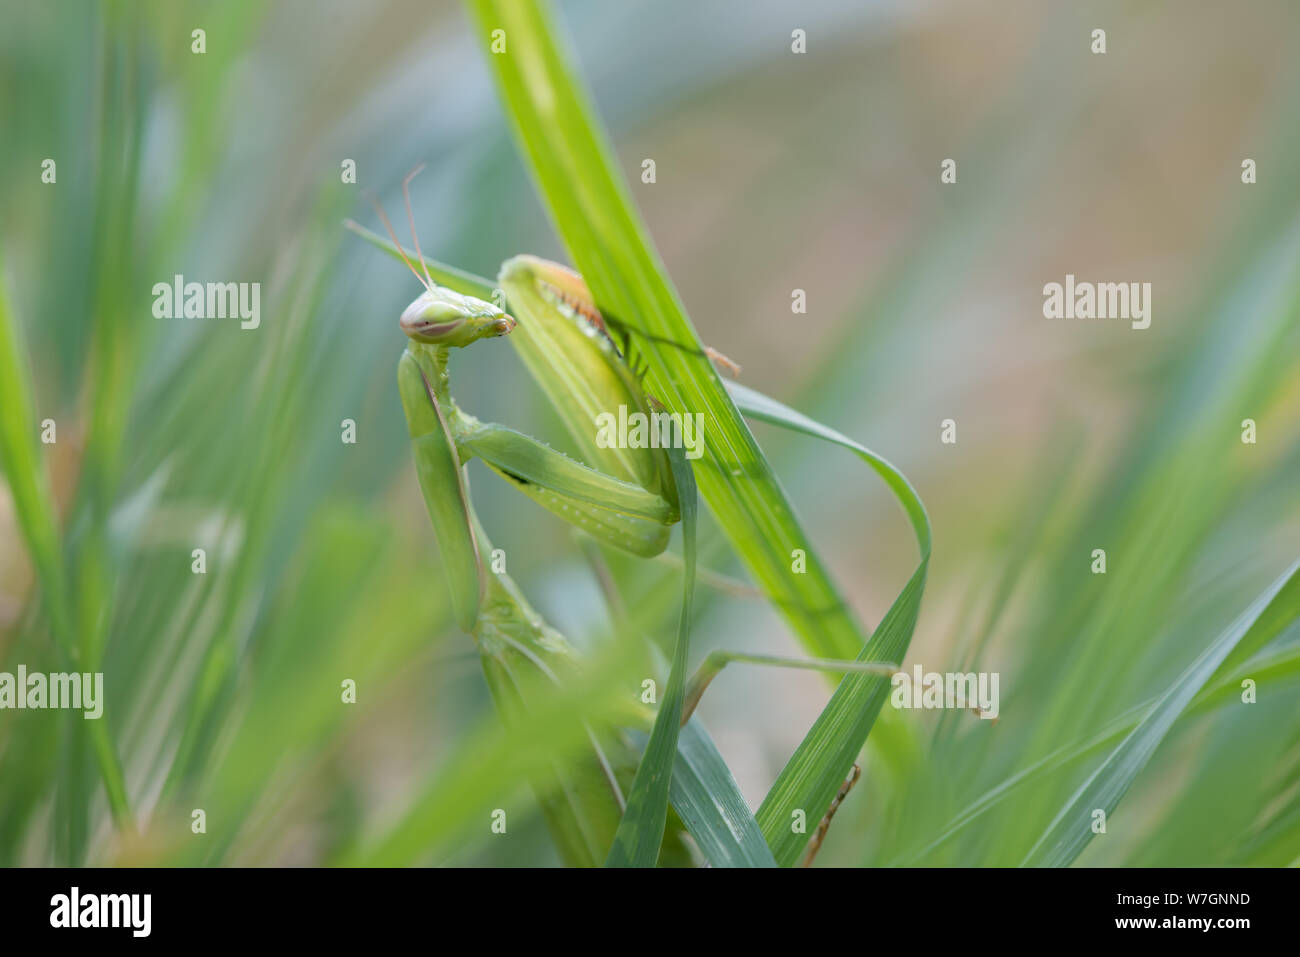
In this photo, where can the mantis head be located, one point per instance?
(440, 316)
(446, 318)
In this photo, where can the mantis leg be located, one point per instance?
(446, 497)
(580, 800)
(619, 513)
(581, 803)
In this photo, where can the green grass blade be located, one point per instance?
(34, 502)
(710, 804)
(641, 831)
(1071, 830)
(574, 169)
(823, 759)
(1273, 669)
(21, 466)
(571, 164)
(492, 765)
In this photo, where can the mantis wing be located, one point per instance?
(562, 342)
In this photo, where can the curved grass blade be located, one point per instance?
(709, 802)
(641, 831)
(575, 170)
(820, 764)
(1070, 832)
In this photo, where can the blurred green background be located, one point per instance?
(775, 171)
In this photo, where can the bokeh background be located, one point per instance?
(775, 171)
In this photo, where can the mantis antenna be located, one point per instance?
(410, 216)
(393, 236)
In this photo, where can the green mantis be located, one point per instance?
(630, 502)
(627, 498)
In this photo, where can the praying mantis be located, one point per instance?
(626, 498)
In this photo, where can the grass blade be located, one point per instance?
(20, 464)
(709, 802)
(470, 783)
(641, 831)
(1279, 668)
(574, 169)
(1071, 830)
(815, 771)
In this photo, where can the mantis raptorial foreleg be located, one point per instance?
(524, 458)
(446, 496)
(631, 504)
(616, 512)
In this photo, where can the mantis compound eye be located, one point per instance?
(446, 318)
